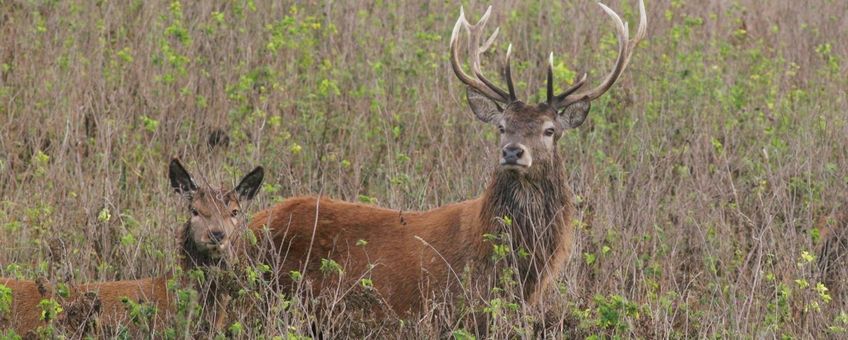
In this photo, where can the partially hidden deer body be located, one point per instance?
(206, 241)
(832, 250)
(411, 256)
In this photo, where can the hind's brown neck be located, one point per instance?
(193, 257)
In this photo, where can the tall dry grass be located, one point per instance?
(699, 176)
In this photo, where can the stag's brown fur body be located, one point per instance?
(400, 260)
(427, 249)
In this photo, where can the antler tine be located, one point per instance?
(551, 79)
(508, 73)
(475, 63)
(625, 50)
(641, 32)
(476, 31)
(574, 87)
(457, 68)
(479, 82)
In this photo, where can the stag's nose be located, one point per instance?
(512, 153)
(216, 236)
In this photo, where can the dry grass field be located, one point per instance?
(699, 178)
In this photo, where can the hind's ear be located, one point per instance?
(181, 181)
(249, 185)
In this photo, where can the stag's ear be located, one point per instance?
(249, 185)
(180, 179)
(574, 114)
(484, 108)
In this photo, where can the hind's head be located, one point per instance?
(216, 216)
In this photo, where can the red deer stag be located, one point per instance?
(205, 242)
(409, 256)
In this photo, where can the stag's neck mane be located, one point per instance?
(538, 207)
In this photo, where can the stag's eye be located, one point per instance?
(501, 129)
(234, 213)
(549, 132)
(193, 211)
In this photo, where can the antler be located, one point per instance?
(576, 86)
(479, 82)
(625, 51)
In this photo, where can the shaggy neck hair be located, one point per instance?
(538, 206)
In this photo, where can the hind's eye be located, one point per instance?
(501, 129)
(193, 211)
(234, 213)
(549, 132)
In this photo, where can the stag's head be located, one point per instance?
(528, 133)
(216, 215)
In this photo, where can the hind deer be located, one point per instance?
(409, 256)
(207, 241)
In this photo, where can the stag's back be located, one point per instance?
(397, 251)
